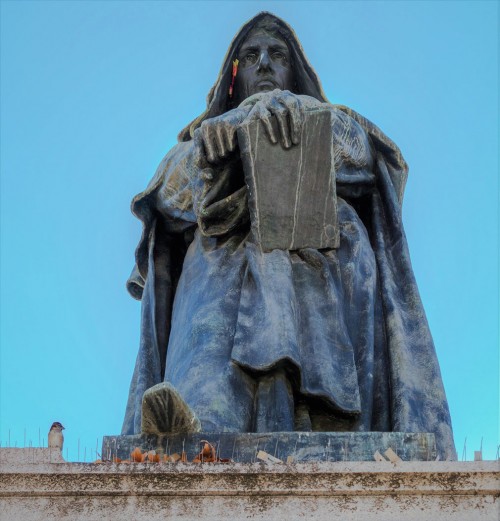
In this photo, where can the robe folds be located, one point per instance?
(346, 326)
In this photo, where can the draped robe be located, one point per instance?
(345, 326)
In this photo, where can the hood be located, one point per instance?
(218, 100)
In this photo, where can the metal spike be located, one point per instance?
(256, 452)
(234, 445)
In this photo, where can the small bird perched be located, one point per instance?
(55, 437)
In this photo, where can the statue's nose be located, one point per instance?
(264, 61)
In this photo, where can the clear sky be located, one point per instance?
(93, 95)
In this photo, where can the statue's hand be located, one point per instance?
(288, 110)
(219, 134)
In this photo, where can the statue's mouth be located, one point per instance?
(266, 85)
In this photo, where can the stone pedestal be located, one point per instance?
(300, 446)
(32, 489)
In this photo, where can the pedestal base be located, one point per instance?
(301, 446)
(31, 489)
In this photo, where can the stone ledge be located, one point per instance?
(458, 491)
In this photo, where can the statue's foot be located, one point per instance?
(165, 412)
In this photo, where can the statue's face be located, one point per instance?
(264, 66)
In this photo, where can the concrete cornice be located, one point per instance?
(462, 491)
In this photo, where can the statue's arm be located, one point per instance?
(192, 191)
(220, 196)
(167, 200)
(200, 181)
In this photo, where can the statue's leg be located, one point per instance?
(205, 311)
(302, 421)
(219, 401)
(222, 397)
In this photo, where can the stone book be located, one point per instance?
(291, 192)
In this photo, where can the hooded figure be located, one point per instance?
(241, 340)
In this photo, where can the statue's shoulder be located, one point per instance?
(175, 156)
(172, 174)
(380, 141)
(384, 149)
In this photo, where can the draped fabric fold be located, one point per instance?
(347, 324)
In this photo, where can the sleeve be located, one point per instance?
(220, 199)
(167, 195)
(193, 192)
(382, 147)
(186, 192)
(353, 156)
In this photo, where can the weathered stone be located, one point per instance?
(351, 491)
(30, 456)
(301, 446)
(291, 191)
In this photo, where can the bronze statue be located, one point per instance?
(238, 337)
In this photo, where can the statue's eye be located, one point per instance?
(279, 56)
(250, 58)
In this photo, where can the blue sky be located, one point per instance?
(93, 95)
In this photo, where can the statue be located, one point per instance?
(237, 337)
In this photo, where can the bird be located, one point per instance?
(55, 436)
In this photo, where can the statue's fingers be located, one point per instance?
(198, 139)
(206, 133)
(219, 140)
(266, 121)
(280, 113)
(295, 114)
(265, 116)
(259, 112)
(289, 100)
(230, 134)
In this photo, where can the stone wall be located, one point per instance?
(38, 485)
